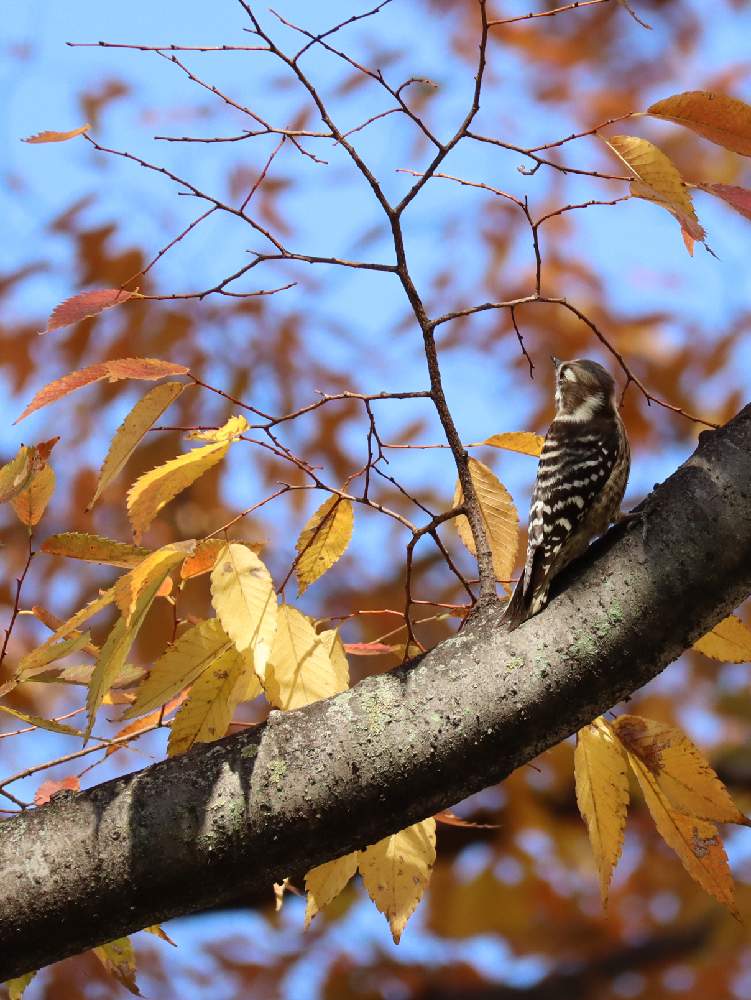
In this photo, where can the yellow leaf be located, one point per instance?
(657, 179)
(57, 136)
(396, 872)
(243, 597)
(499, 517)
(40, 723)
(522, 441)
(230, 431)
(300, 669)
(207, 711)
(696, 842)
(334, 646)
(39, 659)
(31, 503)
(680, 771)
(323, 540)
(723, 120)
(143, 416)
(156, 488)
(119, 960)
(195, 651)
(16, 987)
(94, 548)
(602, 795)
(325, 882)
(88, 611)
(729, 641)
(158, 931)
(16, 475)
(111, 659)
(158, 563)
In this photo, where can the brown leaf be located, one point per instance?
(738, 198)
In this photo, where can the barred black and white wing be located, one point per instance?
(575, 497)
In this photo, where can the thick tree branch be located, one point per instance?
(313, 784)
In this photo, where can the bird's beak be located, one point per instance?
(556, 361)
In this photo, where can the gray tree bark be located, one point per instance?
(313, 784)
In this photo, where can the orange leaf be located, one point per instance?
(738, 198)
(57, 136)
(147, 369)
(50, 788)
(86, 304)
(451, 819)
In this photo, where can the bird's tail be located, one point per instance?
(517, 609)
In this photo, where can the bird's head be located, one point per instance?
(583, 390)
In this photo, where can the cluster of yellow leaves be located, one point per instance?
(395, 873)
(683, 794)
(723, 120)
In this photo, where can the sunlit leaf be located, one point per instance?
(234, 427)
(86, 304)
(300, 669)
(396, 872)
(38, 659)
(16, 475)
(36, 720)
(146, 722)
(243, 597)
(57, 136)
(602, 795)
(738, 198)
(499, 517)
(17, 986)
(185, 660)
(132, 430)
(142, 369)
(323, 540)
(204, 558)
(729, 641)
(154, 489)
(522, 441)
(119, 960)
(696, 841)
(207, 711)
(723, 120)
(129, 587)
(31, 503)
(657, 179)
(94, 548)
(325, 882)
(48, 789)
(680, 771)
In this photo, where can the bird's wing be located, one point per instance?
(575, 464)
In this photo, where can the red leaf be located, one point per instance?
(48, 789)
(367, 648)
(86, 304)
(451, 819)
(149, 369)
(738, 198)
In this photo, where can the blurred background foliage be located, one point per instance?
(513, 909)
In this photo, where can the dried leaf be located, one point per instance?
(132, 430)
(738, 198)
(243, 597)
(86, 304)
(207, 711)
(159, 563)
(154, 489)
(680, 771)
(185, 660)
(657, 179)
(522, 441)
(57, 136)
(602, 795)
(300, 669)
(48, 789)
(119, 960)
(40, 658)
(143, 369)
(723, 120)
(324, 883)
(729, 641)
(696, 842)
(499, 517)
(31, 503)
(396, 872)
(16, 475)
(145, 722)
(157, 931)
(323, 540)
(36, 720)
(94, 548)
(368, 649)
(204, 558)
(450, 818)
(230, 431)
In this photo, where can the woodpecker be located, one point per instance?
(581, 479)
